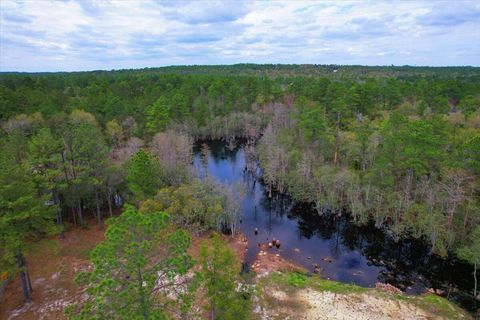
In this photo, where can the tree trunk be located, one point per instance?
(97, 203)
(26, 292)
(475, 278)
(141, 292)
(59, 213)
(74, 215)
(465, 222)
(109, 201)
(27, 275)
(25, 278)
(337, 140)
(80, 214)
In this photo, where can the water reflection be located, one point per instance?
(363, 255)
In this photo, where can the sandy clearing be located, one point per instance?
(328, 305)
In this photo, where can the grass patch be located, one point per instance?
(440, 306)
(293, 280)
(334, 286)
(401, 297)
(296, 279)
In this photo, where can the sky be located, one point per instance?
(75, 35)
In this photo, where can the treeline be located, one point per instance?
(275, 70)
(154, 98)
(402, 150)
(317, 70)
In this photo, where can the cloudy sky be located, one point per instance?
(41, 35)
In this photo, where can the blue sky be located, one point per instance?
(42, 35)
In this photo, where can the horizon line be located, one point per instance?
(245, 63)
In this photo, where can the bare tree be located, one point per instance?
(204, 156)
(458, 186)
(173, 148)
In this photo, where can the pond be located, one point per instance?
(363, 255)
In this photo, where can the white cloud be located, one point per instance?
(83, 35)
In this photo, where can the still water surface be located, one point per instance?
(345, 252)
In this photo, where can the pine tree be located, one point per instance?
(136, 268)
(219, 273)
(158, 115)
(23, 217)
(143, 175)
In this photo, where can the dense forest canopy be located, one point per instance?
(112, 94)
(399, 146)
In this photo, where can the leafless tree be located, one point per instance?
(173, 148)
(204, 156)
(125, 151)
(458, 187)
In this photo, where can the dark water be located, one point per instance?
(348, 253)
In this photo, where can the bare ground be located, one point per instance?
(53, 264)
(309, 304)
(268, 260)
(277, 300)
(328, 305)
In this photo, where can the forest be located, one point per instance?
(398, 147)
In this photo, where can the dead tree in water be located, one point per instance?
(204, 156)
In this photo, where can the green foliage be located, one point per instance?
(158, 115)
(417, 145)
(470, 252)
(200, 205)
(23, 214)
(135, 269)
(85, 153)
(115, 132)
(143, 175)
(219, 274)
(289, 281)
(296, 279)
(312, 123)
(469, 104)
(472, 152)
(439, 305)
(180, 107)
(45, 157)
(423, 145)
